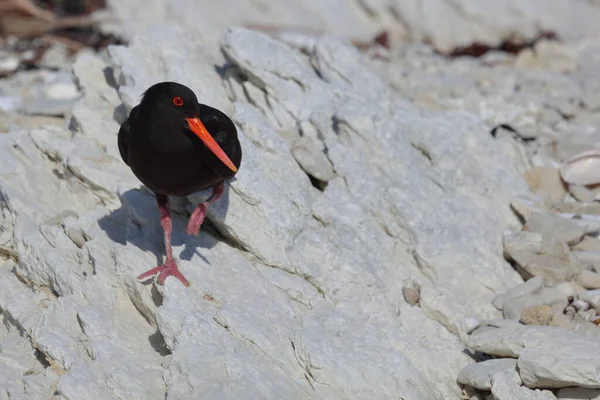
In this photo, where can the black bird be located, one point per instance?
(177, 146)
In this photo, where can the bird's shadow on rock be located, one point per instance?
(137, 222)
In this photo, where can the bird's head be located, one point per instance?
(176, 105)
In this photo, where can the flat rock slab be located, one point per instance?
(539, 255)
(567, 360)
(548, 357)
(510, 341)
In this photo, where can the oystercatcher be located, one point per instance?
(177, 146)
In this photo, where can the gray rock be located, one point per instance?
(562, 290)
(336, 16)
(510, 341)
(581, 193)
(507, 385)
(513, 307)
(534, 286)
(57, 56)
(547, 184)
(593, 297)
(562, 361)
(470, 324)
(309, 154)
(588, 279)
(53, 94)
(538, 255)
(559, 229)
(62, 91)
(578, 323)
(590, 258)
(45, 106)
(460, 26)
(481, 375)
(21, 372)
(525, 207)
(464, 22)
(578, 394)
(555, 296)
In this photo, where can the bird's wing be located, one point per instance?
(223, 130)
(124, 133)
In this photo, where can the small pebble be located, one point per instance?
(411, 295)
(28, 55)
(537, 315)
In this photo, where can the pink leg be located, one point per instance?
(169, 267)
(200, 212)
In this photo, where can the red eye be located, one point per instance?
(178, 101)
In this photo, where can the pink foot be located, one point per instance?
(167, 269)
(196, 219)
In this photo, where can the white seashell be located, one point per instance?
(582, 169)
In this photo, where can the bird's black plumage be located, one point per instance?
(177, 146)
(157, 144)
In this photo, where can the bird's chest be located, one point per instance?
(165, 144)
(170, 164)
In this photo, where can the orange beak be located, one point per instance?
(200, 130)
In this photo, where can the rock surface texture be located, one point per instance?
(360, 253)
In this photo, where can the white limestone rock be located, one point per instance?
(538, 255)
(296, 292)
(481, 375)
(506, 386)
(509, 341)
(567, 360)
(513, 307)
(309, 153)
(533, 286)
(22, 374)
